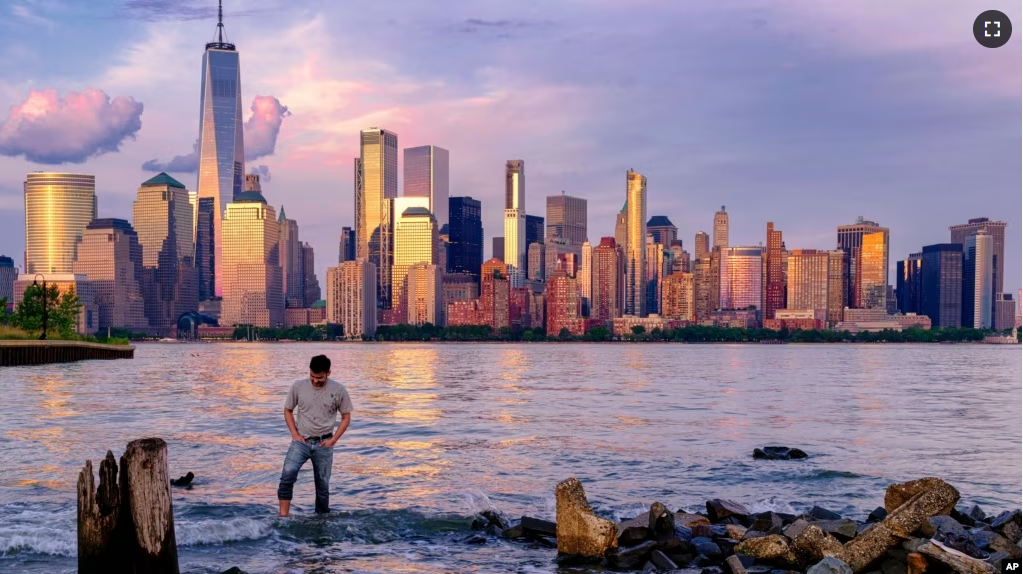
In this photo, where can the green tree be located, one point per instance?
(638, 329)
(598, 334)
(62, 310)
(565, 334)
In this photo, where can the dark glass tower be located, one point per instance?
(908, 284)
(534, 230)
(941, 291)
(205, 247)
(465, 231)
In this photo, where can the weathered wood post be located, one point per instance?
(99, 512)
(149, 501)
(127, 525)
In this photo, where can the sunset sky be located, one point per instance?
(801, 112)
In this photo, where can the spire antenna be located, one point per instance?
(220, 44)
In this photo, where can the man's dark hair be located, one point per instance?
(319, 364)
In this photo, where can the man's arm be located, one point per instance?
(346, 419)
(289, 418)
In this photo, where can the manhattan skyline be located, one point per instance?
(809, 126)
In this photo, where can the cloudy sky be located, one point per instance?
(801, 112)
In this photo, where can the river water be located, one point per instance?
(440, 432)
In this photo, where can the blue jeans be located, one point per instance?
(323, 459)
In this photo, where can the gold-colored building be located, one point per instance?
(838, 280)
(416, 240)
(741, 277)
(376, 183)
(110, 257)
(58, 206)
(703, 288)
(162, 217)
(352, 298)
(253, 285)
(679, 297)
(425, 294)
(721, 229)
(635, 247)
(808, 285)
(872, 270)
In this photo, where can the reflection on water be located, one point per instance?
(442, 431)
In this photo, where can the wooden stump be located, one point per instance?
(127, 525)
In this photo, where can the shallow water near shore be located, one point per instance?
(440, 432)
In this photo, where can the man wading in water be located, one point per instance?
(310, 411)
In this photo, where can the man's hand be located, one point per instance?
(329, 443)
(298, 437)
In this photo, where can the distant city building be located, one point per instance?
(605, 285)
(679, 297)
(941, 294)
(253, 290)
(351, 298)
(252, 183)
(558, 249)
(741, 278)
(58, 206)
(585, 276)
(465, 233)
(463, 313)
(703, 288)
(221, 148)
(416, 240)
(1005, 312)
(536, 262)
(996, 229)
(808, 281)
(701, 245)
(566, 218)
(310, 285)
(459, 287)
(734, 318)
(680, 262)
(838, 279)
(518, 308)
(622, 230)
(978, 274)
(299, 317)
(564, 306)
(376, 183)
(110, 257)
(622, 326)
(88, 315)
(797, 319)
(8, 275)
(857, 320)
(497, 248)
(424, 294)
(291, 261)
(774, 275)
(635, 247)
(205, 248)
(908, 283)
(868, 264)
(162, 219)
(515, 221)
(657, 267)
(721, 229)
(426, 175)
(662, 229)
(346, 247)
(494, 295)
(534, 230)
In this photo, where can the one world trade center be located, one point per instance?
(221, 155)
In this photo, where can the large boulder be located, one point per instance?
(537, 527)
(767, 522)
(632, 557)
(842, 529)
(580, 532)
(771, 548)
(941, 526)
(899, 494)
(813, 545)
(830, 565)
(933, 498)
(1006, 517)
(683, 518)
(632, 532)
(661, 520)
(718, 510)
(778, 453)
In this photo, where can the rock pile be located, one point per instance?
(918, 530)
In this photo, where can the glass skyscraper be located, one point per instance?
(221, 149)
(376, 183)
(465, 230)
(426, 175)
(635, 246)
(978, 275)
(515, 221)
(566, 217)
(58, 206)
(942, 284)
(741, 277)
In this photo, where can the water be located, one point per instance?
(443, 431)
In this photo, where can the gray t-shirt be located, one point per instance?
(316, 408)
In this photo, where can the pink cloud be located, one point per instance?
(49, 129)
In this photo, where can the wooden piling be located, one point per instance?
(127, 525)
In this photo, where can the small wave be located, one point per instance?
(220, 531)
(772, 505)
(825, 473)
(38, 540)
